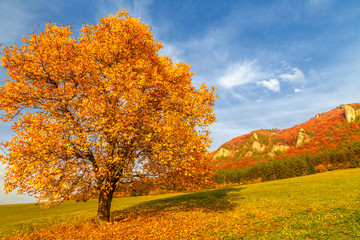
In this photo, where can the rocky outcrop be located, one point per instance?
(302, 137)
(255, 136)
(223, 152)
(350, 113)
(281, 148)
(248, 154)
(278, 148)
(256, 146)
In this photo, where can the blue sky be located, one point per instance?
(274, 63)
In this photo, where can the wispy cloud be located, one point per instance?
(273, 84)
(172, 51)
(247, 72)
(295, 76)
(240, 73)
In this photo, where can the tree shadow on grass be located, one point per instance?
(208, 201)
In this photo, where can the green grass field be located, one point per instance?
(320, 206)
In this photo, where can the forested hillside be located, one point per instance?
(328, 141)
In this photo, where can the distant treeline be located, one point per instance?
(347, 156)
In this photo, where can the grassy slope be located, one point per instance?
(24, 217)
(320, 206)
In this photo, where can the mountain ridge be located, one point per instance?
(327, 130)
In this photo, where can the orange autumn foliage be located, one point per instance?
(101, 109)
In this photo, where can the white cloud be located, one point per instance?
(273, 84)
(172, 51)
(239, 74)
(296, 76)
(297, 90)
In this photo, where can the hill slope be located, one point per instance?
(330, 140)
(321, 206)
(326, 130)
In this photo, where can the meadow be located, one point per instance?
(319, 206)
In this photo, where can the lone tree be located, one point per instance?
(98, 110)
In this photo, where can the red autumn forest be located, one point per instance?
(329, 139)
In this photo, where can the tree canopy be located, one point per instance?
(101, 109)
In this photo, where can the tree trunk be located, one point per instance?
(104, 204)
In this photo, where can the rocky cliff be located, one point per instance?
(302, 137)
(350, 113)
